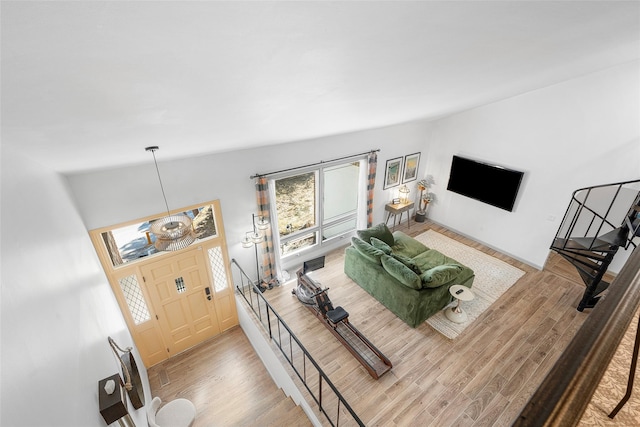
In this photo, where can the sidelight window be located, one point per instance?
(134, 298)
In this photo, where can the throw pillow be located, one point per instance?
(439, 275)
(401, 272)
(408, 262)
(366, 250)
(380, 231)
(379, 244)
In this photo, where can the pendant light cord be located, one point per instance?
(153, 152)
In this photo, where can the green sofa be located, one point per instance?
(407, 277)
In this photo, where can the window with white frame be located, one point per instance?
(134, 241)
(316, 205)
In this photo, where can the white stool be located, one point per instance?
(177, 413)
(461, 293)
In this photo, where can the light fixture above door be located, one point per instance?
(174, 231)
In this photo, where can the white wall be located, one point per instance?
(57, 306)
(112, 196)
(578, 133)
(256, 335)
(571, 135)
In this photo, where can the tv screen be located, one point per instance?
(491, 184)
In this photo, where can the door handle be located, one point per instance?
(208, 292)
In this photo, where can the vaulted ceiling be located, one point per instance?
(89, 84)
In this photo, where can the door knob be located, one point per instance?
(208, 292)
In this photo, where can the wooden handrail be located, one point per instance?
(565, 393)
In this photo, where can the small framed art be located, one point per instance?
(411, 163)
(393, 172)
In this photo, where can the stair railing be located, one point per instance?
(565, 393)
(578, 207)
(306, 368)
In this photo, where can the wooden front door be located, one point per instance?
(181, 295)
(171, 301)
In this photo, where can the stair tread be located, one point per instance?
(571, 255)
(602, 286)
(593, 243)
(616, 237)
(635, 226)
(568, 251)
(582, 259)
(587, 277)
(284, 412)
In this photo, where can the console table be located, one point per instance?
(399, 209)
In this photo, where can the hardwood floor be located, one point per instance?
(482, 378)
(227, 382)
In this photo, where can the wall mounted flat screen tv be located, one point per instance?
(491, 184)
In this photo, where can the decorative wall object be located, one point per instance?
(393, 172)
(132, 381)
(411, 164)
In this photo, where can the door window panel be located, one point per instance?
(135, 300)
(217, 268)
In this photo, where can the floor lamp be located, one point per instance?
(255, 237)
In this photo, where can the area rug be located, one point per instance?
(493, 278)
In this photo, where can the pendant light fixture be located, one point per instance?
(173, 232)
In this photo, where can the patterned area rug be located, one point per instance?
(493, 278)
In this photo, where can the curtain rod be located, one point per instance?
(313, 164)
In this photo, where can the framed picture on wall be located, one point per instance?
(393, 172)
(411, 163)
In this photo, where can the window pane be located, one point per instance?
(129, 243)
(296, 203)
(217, 268)
(204, 223)
(135, 241)
(340, 190)
(297, 244)
(338, 229)
(135, 299)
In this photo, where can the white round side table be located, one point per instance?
(461, 293)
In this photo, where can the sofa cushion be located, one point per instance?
(401, 272)
(440, 275)
(379, 244)
(407, 246)
(380, 231)
(408, 262)
(367, 251)
(431, 258)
